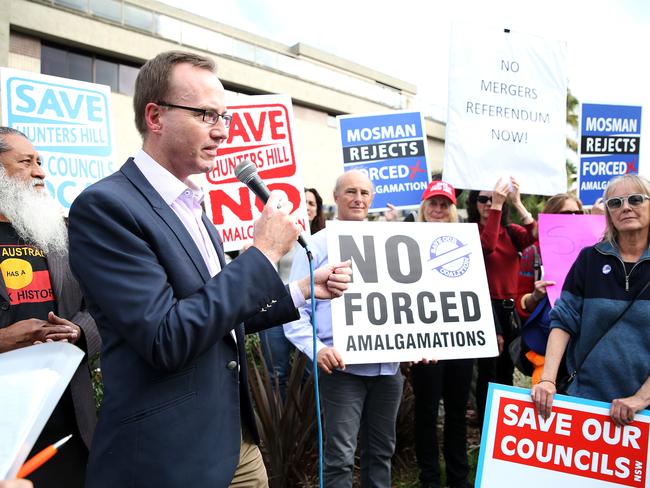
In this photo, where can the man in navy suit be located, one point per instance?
(172, 315)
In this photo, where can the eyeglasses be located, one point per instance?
(209, 116)
(483, 199)
(572, 212)
(633, 200)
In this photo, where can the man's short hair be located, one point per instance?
(339, 180)
(152, 83)
(8, 131)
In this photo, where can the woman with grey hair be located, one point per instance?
(601, 317)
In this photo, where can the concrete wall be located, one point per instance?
(24, 23)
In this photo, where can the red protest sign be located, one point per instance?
(260, 132)
(571, 441)
(578, 443)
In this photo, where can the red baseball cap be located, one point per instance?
(442, 188)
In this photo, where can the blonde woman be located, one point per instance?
(601, 317)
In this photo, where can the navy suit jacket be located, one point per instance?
(175, 382)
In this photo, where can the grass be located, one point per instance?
(295, 463)
(405, 474)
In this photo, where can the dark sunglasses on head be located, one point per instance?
(572, 212)
(483, 199)
(633, 200)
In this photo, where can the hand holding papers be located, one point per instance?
(32, 379)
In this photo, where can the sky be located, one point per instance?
(607, 40)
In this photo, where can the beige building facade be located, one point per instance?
(105, 41)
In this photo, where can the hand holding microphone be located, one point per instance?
(275, 231)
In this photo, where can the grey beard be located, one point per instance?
(34, 214)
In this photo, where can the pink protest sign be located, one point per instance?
(561, 238)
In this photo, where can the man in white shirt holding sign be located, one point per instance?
(360, 397)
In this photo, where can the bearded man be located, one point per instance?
(41, 301)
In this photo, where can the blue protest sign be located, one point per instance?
(609, 147)
(392, 150)
(69, 123)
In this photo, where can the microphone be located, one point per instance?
(246, 172)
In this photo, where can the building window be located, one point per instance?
(127, 77)
(54, 62)
(80, 67)
(85, 66)
(108, 9)
(138, 17)
(75, 4)
(106, 73)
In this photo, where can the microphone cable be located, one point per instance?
(310, 258)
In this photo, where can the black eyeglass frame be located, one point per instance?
(211, 114)
(616, 203)
(572, 212)
(485, 199)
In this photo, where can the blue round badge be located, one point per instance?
(606, 269)
(450, 256)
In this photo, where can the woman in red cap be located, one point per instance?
(449, 380)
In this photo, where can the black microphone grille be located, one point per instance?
(245, 171)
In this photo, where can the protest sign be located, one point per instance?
(578, 445)
(610, 140)
(260, 132)
(419, 290)
(392, 150)
(69, 123)
(561, 238)
(507, 111)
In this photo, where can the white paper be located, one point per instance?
(32, 380)
(507, 110)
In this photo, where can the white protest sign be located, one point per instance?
(419, 290)
(69, 123)
(507, 111)
(578, 445)
(260, 132)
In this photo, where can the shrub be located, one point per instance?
(287, 428)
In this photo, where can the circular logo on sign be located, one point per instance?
(17, 273)
(449, 256)
(606, 269)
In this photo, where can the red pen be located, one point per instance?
(41, 458)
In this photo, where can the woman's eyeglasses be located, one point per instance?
(633, 200)
(483, 199)
(572, 212)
